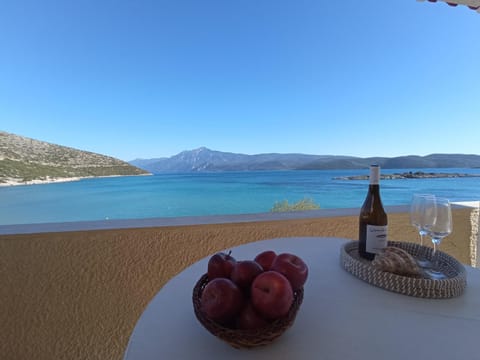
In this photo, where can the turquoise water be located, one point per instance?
(190, 194)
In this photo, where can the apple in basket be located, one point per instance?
(220, 265)
(249, 318)
(265, 259)
(271, 295)
(244, 272)
(293, 268)
(222, 300)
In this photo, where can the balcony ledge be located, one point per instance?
(75, 290)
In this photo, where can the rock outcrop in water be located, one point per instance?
(409, 175)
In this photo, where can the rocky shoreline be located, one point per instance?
(51, 180)
(409, 175)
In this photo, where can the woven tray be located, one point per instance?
(452, 286)
(245, 338)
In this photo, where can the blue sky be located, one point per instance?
(143, 79)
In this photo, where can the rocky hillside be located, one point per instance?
(25, 160)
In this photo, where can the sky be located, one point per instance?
(149, 79)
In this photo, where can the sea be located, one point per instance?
(214, 193)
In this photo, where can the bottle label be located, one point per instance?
(376, 238)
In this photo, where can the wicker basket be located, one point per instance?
(452, 286)
(245, 338)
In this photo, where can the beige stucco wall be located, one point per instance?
(78, 295)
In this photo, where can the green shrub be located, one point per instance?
(302, 205)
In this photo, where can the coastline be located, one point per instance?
(15, 182)
(49, 180)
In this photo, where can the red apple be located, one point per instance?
(250, 319)
(220, 265)
(294, 269)
(221, 300)
(265, 259)
(244, 272)
(271, 295)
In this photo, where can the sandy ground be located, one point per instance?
(78, 295)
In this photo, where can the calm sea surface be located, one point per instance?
(190, 194)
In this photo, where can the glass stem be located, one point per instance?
(421, 239)
(434, 255)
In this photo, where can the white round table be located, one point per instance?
(341, 316)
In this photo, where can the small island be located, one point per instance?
(409, 175)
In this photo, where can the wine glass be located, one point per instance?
(422, 213)
(441, 228)
(422, 216)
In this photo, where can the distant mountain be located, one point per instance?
(203, 159)
(27, 160)
(143, 163)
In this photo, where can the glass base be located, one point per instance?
(424, 263)
(434, 274)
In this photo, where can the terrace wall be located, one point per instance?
(78, 294)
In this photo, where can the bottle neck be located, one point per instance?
(374, 175)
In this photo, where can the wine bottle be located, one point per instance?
(373, 219)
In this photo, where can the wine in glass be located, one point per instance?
(441, 228)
